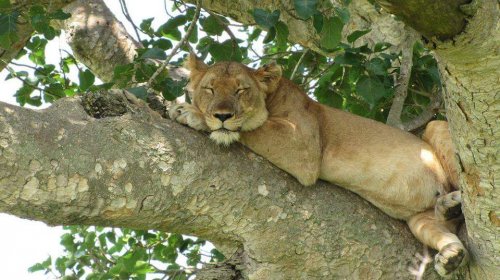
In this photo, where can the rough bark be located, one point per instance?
(141, 171)
(363, 15)
(434, 19)
(470, 68)
(24, 30)
(97, 38)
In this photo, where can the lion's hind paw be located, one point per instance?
(450, 258)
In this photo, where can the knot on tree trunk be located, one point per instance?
(102, 104)
(230, 269)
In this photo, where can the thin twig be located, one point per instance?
(401, 91)
(165, 8)
(419, 92)
(178, 45)
(23, 65)
(298, 64)
(129, 19)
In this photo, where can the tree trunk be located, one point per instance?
(470, 68)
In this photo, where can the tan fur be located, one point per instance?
(394, 170)
(438, 135)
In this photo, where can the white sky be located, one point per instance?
(23, 242)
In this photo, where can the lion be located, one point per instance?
(393, 169)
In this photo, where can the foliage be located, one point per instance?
(343, 74)
(103, 253)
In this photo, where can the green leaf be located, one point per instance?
(281, 36)
(61, 264)
(36, 43)
(356, 34)
(170, 254)
(154, 53)
(144, 71)
(173, 89)
(8, 29)
(255, 34)
(170, 28)
(217, 256)
(4, 4)
(122, 74)
(53, 92)
(193, 257)
(41, 266)
(193, 37)
(212, 26)
(265, 19)
(163, 44)
(370, 89)
(318, 22)
(379, 47)
(329, 97)
(343, 13)
(225, 51)
(23, 94)
(270, 35)
(145, 26)
(139, 92)
(60, 15)
(331, 33)
(377, 66)
(305, 8)
(67, 240)
(50, 33)
(86, 78)
(349, 58)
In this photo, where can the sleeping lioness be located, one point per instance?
(396, 171)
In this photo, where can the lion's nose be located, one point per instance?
(223, 117)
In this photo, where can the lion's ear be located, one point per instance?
(269, 76)
(194, 64)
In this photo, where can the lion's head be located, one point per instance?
(231, 96)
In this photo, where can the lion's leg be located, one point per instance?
(294, 146)
(448, 206)
(439, 235)
(438, 136)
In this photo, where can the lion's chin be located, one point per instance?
(224, 137)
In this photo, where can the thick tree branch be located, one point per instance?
(24, 29)
(97, 38)
(363, 16)
(433, 19)
(140, 171)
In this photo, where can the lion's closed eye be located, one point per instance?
(241, 90)
(209, 89)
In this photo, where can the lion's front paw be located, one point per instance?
(450, 258)
(177, 112)
(187, 114)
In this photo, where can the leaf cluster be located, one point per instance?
(97, 253)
